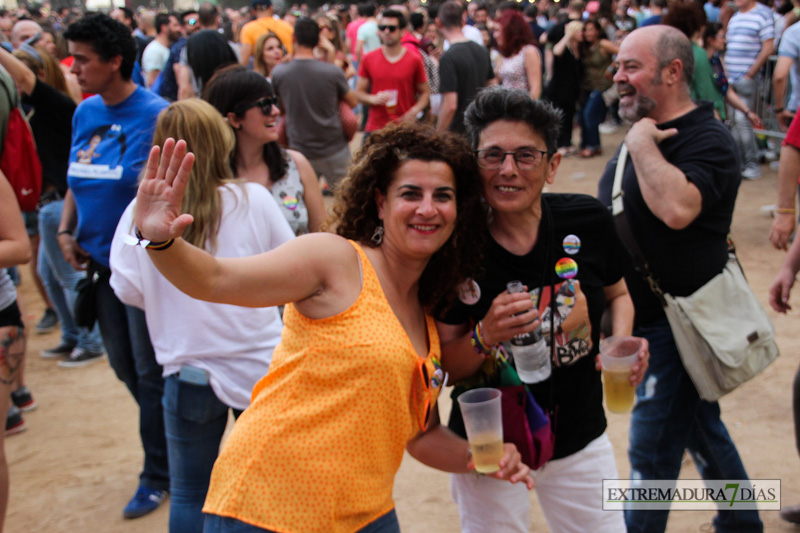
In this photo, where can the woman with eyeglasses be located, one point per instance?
(212, 354)
(564, 249)
(248, 103)
(355, 378)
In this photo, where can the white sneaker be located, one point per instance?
(751, 173)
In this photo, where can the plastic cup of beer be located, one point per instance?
(391, 103)
(483, 420)
(618, 354)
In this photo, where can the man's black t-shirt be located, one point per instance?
(583, 238)
(464, 69)
(51, 124)
(684, 260)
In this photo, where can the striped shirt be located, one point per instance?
(746, 33)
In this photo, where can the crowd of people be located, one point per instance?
(185, 157)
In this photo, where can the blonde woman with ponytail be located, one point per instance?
(212, 354)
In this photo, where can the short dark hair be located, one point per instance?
(394, 14)
(366, 9)
(532, 11)
(417, 20)
(128, 15)
(208, 14)
(162, 19)
(108, 38)
(501, 103)
(186, 13)
(306, 32)
(450, 14)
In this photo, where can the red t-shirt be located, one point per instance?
(352, 33)
(402, 76)
(793, 137)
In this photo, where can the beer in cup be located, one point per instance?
(618, 354)
(483, 420)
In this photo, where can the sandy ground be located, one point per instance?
(76, 466)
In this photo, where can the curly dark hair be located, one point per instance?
(515, 33)
(501, 103)
(234, 88)
(107, 37)
(373, 168)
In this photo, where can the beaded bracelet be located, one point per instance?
(163, 245)
(476, 339)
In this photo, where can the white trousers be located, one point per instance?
(569, 491)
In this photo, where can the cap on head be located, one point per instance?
(261, 4)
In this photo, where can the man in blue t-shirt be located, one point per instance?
(112, 133)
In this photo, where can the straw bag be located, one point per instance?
(722, 332)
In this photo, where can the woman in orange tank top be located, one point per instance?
(355, 378)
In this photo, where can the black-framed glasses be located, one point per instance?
(265, 104)
(390, 27)
(525, 158)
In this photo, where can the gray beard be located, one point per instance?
(642, 106)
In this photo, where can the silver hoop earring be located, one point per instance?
(377, 236)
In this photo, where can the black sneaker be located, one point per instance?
(14, 421)
(23, 399)
(80, 357)
(48, 322)
(62, 350)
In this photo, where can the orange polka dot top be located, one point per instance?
(321, 442)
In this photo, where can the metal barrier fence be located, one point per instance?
(765, 107)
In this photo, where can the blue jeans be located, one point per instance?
(131, 355)
(60, 280)
(222, 524)
(743, 133)
(670, 417)
(195, 421)
(592, 114)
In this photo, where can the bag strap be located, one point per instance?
(624, 228)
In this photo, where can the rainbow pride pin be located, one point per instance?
(566, 268)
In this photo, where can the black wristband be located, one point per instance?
(64, 232)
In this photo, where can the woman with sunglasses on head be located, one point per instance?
(331, 47)
(319, 446)
(248, 103)
(269, 53)
(212, 354)
(564, 249)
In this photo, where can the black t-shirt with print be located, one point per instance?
(582, 235)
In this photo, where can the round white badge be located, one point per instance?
(469, 292)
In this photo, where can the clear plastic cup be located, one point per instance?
(618, 354)
(483, 420)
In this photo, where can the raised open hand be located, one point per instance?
(158, 201)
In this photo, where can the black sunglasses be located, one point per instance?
(265, 104)
(387, 27)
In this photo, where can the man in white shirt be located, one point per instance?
(156, 54)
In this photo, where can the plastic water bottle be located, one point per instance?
(530, 350)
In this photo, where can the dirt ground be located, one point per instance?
(76, 466)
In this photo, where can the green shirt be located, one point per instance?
(703, 85)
